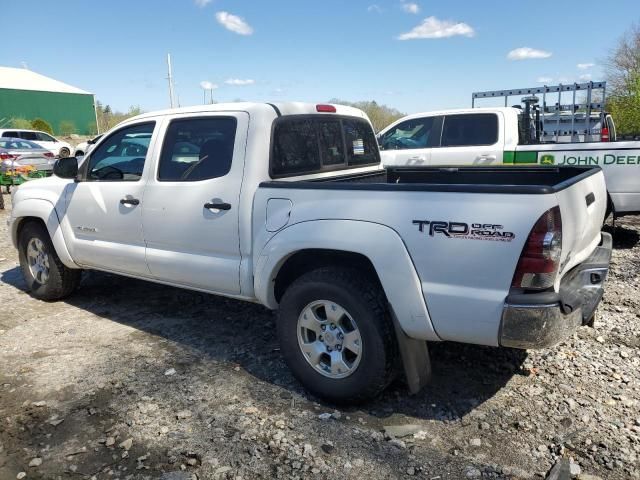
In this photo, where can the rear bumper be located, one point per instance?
(539, 320)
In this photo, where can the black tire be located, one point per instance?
(365, 302)
(64, 152)
(61, 281)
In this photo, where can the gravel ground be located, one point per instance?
(130, 380)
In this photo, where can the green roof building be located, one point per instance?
(29, 95)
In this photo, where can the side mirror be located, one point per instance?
(66, 167)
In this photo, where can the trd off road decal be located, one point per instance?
(592, 157)
(475, 231)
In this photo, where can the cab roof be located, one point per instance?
(279, 108)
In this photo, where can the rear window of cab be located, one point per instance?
(305, 144)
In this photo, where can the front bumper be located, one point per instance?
(539, 320)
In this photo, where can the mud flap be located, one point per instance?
(415, 359)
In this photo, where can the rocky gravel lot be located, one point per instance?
(131, 380)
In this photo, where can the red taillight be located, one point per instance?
(326, 108)
(540, 258)
(604, 134)
(49, 155)
(7, 156)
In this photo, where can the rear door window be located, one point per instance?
(466, 130)
(10, 134)
(197, 149)
(29, 135)
(307, 144)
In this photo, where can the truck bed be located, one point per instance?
(464, 279)
(504, 180)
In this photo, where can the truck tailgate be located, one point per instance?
(582, 206)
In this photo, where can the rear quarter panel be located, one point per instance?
(464, 280)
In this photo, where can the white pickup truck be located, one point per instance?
(494, 136)
(286, 205)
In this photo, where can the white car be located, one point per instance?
(286, 205)
(83, 148)
(55, 146)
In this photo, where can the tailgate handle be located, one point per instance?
(590, 199)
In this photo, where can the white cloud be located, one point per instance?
(585, 77)
(202, 3)
(545, 80)
(239, 82)
(525, 53)
(585, 66)
(207, 85)
(234, 23)
(374, 8)
(411, 7)
(431, 27)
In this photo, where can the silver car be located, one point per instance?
(16, 152)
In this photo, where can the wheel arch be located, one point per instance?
(43, 212)
(308, 245)
(308, 259)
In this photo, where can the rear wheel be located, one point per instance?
(46, 276)
(64, 152)
(336, 335)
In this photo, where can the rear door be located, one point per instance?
(191, 205)
(469, 139)
(47, 141)
(410, 142)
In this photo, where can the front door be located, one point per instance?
(103, 210)
(410, 142)
(192, 202)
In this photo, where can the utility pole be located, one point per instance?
(170, 78)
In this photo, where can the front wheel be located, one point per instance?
(336, 335)
(46, 276)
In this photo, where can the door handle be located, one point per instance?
(129, 201)
(486, 157)
(217, 206)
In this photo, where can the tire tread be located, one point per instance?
(62, 279)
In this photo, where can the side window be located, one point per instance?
(470, 130)
(29, 136)
(121, 156)
(11, 135)
(197, 149)
(414, 133)
(362, 148)
(43, 137)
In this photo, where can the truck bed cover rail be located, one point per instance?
(539, 180)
